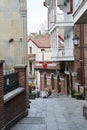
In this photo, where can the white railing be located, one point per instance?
(65, 52)
(63, 17)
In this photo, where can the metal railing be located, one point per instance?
(65, 52)
(61, 52)
(10, 82)
(63, 17)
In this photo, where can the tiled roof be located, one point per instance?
(41, 41)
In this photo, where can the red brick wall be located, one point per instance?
(79, 52)
(85, 53)
(15, 107)
(52, 83)
(22, 76)
(85, 59)
(1, 97)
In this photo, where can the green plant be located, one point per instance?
(79, 95)
(73, 92)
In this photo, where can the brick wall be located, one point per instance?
(85, 53)
(17, 106)
(22, 75)
(52, 83)
(79, 52)
(13, 109)
(1, 96)
(85, 59)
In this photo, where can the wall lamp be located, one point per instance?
(76, 40)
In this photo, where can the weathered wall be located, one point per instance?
(13, 25)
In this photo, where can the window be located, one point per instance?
(30, 67)
(30, 49)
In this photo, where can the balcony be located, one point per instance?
(31, 57)
(80, 12)
(63, 54)
(63, 19)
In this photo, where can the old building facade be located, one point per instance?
(60, 26)
(13, 30)
(79, 16)
(66, 19)
(41, 69)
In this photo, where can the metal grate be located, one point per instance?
(33, 120)
(10, 82)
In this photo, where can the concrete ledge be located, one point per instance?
(12, 94)
(20, 66)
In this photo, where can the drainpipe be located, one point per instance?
(71, 7)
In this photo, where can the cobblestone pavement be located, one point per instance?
(61, 113)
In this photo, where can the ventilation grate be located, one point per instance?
(33, 120)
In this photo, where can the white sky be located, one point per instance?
(37, 16)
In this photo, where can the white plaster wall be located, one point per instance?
(38, 52)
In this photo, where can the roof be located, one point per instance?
(41, 41)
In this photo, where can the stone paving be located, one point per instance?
(61, 113)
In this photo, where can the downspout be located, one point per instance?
(71, 7)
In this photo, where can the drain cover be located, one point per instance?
(33, 120)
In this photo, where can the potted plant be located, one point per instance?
(73, 93)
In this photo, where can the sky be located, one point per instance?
(36, 16)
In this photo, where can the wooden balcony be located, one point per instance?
(31, 57)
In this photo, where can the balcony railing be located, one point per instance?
(10, 82)
(64, 18)
(65, 52)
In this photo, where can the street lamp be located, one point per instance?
(76, 40)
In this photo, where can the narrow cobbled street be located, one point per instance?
(61, 113)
